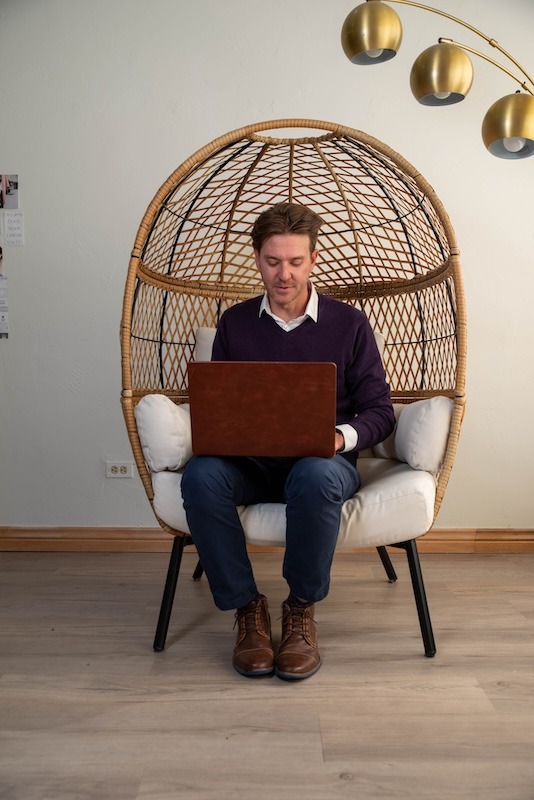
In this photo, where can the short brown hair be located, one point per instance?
(286, 218)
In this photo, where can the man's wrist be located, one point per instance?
(350, 437)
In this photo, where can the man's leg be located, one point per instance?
(212, 488)
(316, 489)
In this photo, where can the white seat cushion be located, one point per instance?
(395, 503)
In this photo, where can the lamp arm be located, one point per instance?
(488, 39)
(524, 85)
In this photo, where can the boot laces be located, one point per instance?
(295, 619)
(248, 617)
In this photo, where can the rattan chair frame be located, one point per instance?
(389, 248)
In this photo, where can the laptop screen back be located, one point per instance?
(255, 408)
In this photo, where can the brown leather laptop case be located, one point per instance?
(244, 408)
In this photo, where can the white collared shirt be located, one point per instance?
(310, 312)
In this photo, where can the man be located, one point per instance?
(290, 322)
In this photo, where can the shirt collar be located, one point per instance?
(311, 310)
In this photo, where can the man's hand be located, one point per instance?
(340, 441)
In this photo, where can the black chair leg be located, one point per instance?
(199, 572)
(420, 596)
(386, 563)
(169, 591)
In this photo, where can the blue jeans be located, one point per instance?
(313, 489)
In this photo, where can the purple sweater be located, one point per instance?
(342, 334)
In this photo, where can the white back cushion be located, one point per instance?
(204, 344)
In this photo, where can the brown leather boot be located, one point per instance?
(298, 655)
(253, 652)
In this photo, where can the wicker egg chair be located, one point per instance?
(386, 247)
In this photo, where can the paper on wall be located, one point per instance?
(14, 228)
(4, 319)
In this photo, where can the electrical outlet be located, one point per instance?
(119, 469)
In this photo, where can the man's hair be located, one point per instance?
(286, 218)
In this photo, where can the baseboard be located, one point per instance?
(90, 540)
(155, 540)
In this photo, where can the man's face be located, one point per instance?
(286, 263)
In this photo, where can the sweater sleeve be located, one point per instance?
(374, 419)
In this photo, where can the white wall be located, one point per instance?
(100, 101)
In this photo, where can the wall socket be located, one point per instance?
(119, 469)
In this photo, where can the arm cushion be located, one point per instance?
(164, 430)
(420, 435)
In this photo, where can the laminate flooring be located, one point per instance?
(88, 710)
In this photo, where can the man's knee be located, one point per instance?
(202, 474)
(314, 478)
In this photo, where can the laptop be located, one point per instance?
(258, 408)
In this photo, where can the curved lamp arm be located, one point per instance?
(486, 38)
(524, 85)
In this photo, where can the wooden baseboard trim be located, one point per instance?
(477, 540)
(155, 540)
(90, 540)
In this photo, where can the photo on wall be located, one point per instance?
(4, 319)
(9, 191)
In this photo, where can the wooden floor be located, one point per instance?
(88, 710)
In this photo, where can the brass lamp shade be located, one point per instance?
(508, 127)
(371, 34)
(441, 75)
